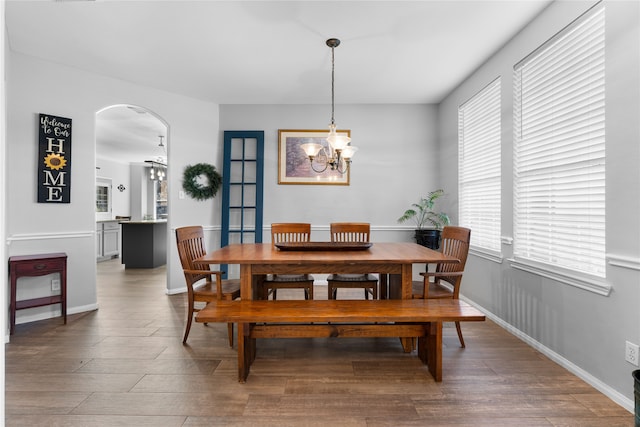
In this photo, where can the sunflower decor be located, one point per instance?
(192, 181)
(55, 161)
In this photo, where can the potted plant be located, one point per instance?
(423, 215)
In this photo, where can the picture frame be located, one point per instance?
(293, 164)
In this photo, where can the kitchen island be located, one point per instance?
(144, 243)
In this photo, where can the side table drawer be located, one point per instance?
(36, 267)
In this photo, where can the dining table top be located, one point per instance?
(378, 252)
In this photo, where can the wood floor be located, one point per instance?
(125, 365)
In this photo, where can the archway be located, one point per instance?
(132, 147)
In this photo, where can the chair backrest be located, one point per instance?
(290, 232)
(349, 231)
(191, 246)
(454, 242)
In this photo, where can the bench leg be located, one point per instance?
(430, 349)
(407, 344)
(244, 351)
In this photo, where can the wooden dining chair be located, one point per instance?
(203, 284)
(445, 281)
(288, 232)
(351, 232)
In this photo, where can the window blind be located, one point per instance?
(559, 150)
(479, 175)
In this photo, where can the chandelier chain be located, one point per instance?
(333, 65)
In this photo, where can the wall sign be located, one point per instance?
(54, 159)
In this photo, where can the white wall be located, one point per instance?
(582, 330)
(4, 48)
(36, 86)
(120, 175)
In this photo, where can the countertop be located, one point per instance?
(151, 221)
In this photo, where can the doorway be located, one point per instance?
(132, 147)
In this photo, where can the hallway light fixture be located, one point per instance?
(158, 168)
(340, 149)
(157, 171)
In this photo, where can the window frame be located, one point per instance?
(480, 169)
(544, 146)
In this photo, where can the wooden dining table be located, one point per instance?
(392, 259)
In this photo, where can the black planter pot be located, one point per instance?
(428, 238)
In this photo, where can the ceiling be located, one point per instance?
(127, 133)
(273, 52)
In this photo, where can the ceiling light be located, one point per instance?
(340, 151)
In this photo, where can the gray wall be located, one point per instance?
(580, 329)
(395, 165)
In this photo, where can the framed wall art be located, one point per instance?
(54, 159)
(294, 166)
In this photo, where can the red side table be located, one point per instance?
(37, 265)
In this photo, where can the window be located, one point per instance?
(479, 175)
(559, 154)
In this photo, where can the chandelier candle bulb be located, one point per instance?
(349, 151)
(311, 149)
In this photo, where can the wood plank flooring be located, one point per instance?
(125, 365)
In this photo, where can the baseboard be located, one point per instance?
(51, 315)
(604, 388)
(175, 291)
(83, 308)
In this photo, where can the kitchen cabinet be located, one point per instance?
(103, 198)
(107, 240)
(144, 244)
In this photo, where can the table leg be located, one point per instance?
(408, 344)
(384, 285)
(12, 304)
(246, 282)
(407, 277)
(63, 293)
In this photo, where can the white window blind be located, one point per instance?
(479, 163)
(559, 150)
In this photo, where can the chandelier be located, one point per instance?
(158, 169)
(338, 157)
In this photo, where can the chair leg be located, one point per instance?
(230, 332)
(189, 320)
(274, 293)
(186, 331)
(460, 334)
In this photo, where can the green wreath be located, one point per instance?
(193, 188)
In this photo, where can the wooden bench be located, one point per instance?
(348, 318)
